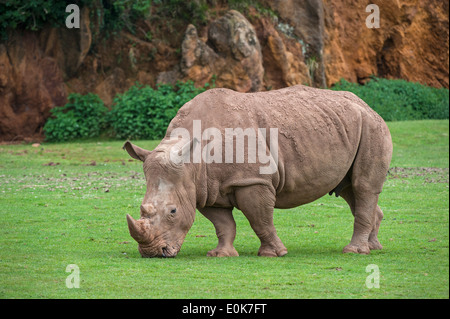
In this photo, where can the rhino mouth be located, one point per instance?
(168, 253)
(171, 251)
(165, 252)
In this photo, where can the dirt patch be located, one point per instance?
(431, 174)
(87, 184)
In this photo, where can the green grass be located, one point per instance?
(74, 213)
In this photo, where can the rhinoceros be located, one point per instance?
(297, 144)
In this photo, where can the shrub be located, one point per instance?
(83, 116)
(30, 14)
(119, 14)
(399, 100)
(194, 12)
(35, 14)
(143, 112)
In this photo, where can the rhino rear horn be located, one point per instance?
(135, 231)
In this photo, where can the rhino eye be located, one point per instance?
(173, 211)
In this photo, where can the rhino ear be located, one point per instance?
(135, 151)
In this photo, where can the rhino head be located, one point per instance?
(168, 208)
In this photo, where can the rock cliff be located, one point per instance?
(312, 42)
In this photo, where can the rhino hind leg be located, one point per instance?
(367, 175)
(367, 221)
(259, 212)
(374, 243)
(223, 221)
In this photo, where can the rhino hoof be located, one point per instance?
(272, 253)
(375, 245)
(357, 249)
(222, 252)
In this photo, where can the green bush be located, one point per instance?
(31, 14)
(143, 112)
(83, 116)
(399, 100)
(119, 14)
(194, 11)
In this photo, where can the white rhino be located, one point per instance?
(313, 142)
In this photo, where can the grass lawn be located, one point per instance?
(66, 203)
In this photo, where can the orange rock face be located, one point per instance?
(311, 42)
(411, 43)
(231, 52)
(30, 85)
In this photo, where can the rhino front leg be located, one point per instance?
(223, 221)
(257, 203)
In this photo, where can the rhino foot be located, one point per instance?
(375, 245)
(223, 252)
(269, 251)
(362, 249)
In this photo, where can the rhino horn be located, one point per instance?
(136, 232)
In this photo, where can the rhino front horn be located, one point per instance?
(135, 230)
